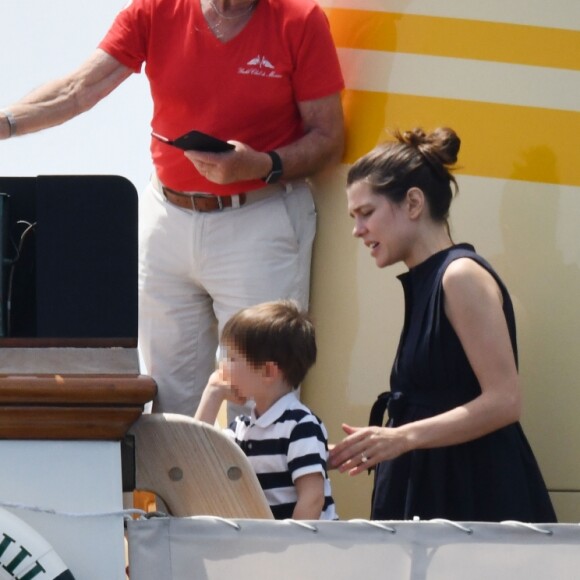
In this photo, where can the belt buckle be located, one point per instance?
(217, 198)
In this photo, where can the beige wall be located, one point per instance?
(519, 205)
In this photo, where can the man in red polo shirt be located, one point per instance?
(218, 231)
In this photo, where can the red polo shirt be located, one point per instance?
(246, 89)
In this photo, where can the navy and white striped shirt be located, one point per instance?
(285, 443)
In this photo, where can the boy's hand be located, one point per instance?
(218, 386)
(215, 393)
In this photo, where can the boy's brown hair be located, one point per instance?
(274, 331)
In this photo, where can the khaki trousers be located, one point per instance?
(198, 269)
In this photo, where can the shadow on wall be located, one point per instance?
(348, 296)
(545, 287)
(335, 311)
(357, 310)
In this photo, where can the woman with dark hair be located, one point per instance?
(452, 447)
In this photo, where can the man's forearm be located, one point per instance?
(61, 100)
(310, 154)
(323, 143)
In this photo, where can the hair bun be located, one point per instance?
(415, 137)
(440, 147)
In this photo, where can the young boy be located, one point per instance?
(267, 350)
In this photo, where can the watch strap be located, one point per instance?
(11, 122)
(277, 170)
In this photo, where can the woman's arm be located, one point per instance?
(322, 145)
(473, 304)
(61, 100)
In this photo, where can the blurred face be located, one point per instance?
(245, 378)
(381, 224)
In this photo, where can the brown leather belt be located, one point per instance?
(208, 202)
(203, 202)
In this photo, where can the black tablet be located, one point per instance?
(197, 141)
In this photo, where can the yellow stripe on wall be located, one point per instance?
(500, 141)
(454, 37)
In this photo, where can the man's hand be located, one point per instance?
(241, 164)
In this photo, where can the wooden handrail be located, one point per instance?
(80, 407)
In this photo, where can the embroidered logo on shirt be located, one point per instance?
(259, 66)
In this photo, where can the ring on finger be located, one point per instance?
(364, 458)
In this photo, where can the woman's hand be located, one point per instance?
(364, 447)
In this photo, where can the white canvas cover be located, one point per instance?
(214, 549)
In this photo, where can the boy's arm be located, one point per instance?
(214, 394)
(310, 491)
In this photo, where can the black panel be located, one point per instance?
(21, 276)
(128, 469)
(78, 276)
(4, 259)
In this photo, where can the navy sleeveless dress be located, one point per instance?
(492, 478)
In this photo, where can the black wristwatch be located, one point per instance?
(276, 171)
